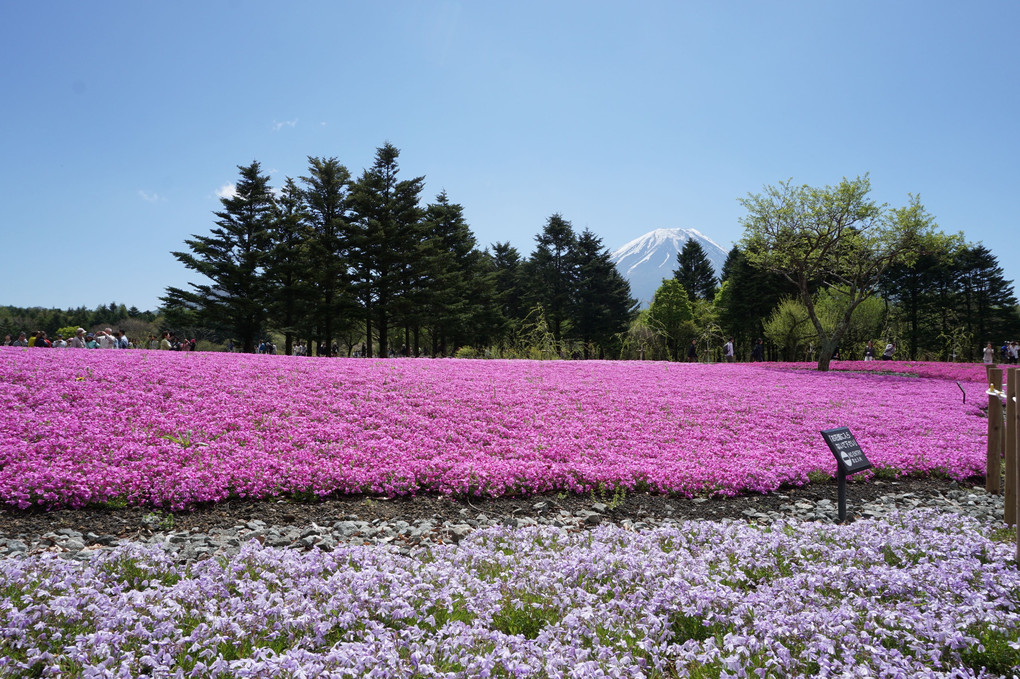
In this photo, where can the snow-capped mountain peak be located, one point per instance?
(645, 261)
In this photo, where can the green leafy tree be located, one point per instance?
(642, 341)
(866, 321)
(672, 316)
(832, 236)
(694, 271)
(232, 258)
(790, 329)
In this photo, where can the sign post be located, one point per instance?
(850, 459)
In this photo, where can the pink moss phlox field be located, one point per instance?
(963, 372)
(172, 429)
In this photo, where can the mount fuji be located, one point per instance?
(645, 261)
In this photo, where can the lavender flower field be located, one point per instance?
(172, 429)
(913, 594)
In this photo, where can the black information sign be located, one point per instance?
(846, 449)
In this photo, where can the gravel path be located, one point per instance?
(411, 522)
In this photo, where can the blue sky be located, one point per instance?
(123, 120)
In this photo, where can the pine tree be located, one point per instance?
(449, 256)
(917, 289)
(602, 306)
(751, 295)
(987, 304)
(510, 289)
(694, 271)
(326, 204)
(550, 273)
(232, 258)
(389, 231)
(288, 267)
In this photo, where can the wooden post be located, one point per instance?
(992, 475)
(1016, 457)
(1010, 447)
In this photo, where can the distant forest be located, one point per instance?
(362, 266)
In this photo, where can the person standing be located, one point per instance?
(869, 351)
(728, 354)
(758, 351)
(692, 351)
(78, 341)
(989, 354)
(106, 339)
(22, 341)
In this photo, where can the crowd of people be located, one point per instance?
(101, 339)
(1009, 352)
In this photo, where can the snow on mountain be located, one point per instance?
(645, 261)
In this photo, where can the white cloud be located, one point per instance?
(149, 196)
(288, 123)
(227, 191)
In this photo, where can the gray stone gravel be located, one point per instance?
(410, 536)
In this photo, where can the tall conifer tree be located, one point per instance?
(326, 195)
(389, 232)
(232, 257)
(289, 268)
(550, 272)
(602, 305)
(694, 271)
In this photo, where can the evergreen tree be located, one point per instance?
(987, 306)
(550, 273)
(389, 233)
(508, 268)
(694, 271)
(327, 213)
(451, 261)
(732, 258)
(485, 322)
(232, 258)
(288, 268)
(602, 306)
(751, 295)
(916, 288)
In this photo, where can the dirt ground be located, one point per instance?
(135, 521)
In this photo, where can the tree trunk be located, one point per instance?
(383, 329)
